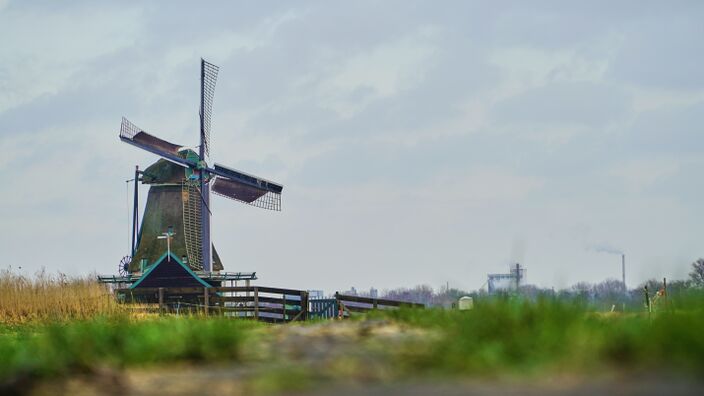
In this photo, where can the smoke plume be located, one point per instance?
(605, 248)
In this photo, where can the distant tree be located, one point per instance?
(583, 290)
(677, 287)
(446, 297)
(609, 292)
(420, 294)
(565, 294)
(697, 274)
(653, 285)
(609, 288)
(533, 292)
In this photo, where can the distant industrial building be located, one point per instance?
(506, 282)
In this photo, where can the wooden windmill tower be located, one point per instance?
(179, 195)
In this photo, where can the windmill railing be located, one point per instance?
(207, 276)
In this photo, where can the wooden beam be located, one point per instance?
(304, 305)
(379, 301)
(283, 310)
(262, 299)
(206, 300)
(256, 303)
(161, 300)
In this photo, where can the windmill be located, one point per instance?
(181, 183)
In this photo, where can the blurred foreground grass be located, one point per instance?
(498, 337)
(523, 337)
(48, 350)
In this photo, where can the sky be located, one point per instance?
(418, 142)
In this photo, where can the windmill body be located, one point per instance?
(171, 202)
(179, 194)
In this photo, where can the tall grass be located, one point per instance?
(47, 297)
(51, 349)
(510, 336)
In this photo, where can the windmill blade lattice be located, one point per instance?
(136, 136)
(209, 76)
(258, 197)
(192, 218)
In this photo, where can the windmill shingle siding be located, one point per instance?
(164, 208)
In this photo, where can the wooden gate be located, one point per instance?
(324, 308)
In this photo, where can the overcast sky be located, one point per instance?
(417, 142)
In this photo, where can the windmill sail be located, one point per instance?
(245, 178)
(192, 218)
(246, 188)
(208, 78)
(135, 136)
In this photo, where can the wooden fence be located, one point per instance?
(351, 304)
(268, 304)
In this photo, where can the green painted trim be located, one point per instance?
(193, 274)
(161, 260)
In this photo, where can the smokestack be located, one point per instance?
(623, 270)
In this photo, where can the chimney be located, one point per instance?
(623, 270)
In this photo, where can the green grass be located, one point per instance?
(497, 337)
(504, 336)
(39, 351)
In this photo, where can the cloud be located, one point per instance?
(665, 57)
(59, 49)
(645, 173)
(669, 129)
(407, 134)
(564, 104)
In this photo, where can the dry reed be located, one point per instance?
(47, 297)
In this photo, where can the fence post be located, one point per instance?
(283, 308)
(161, 301)
(340, 312)
(647, 300)
(256, 302)
(206, 300)
(304, 305)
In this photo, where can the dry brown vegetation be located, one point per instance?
(52, 297)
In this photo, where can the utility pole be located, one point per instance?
(135, 210)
